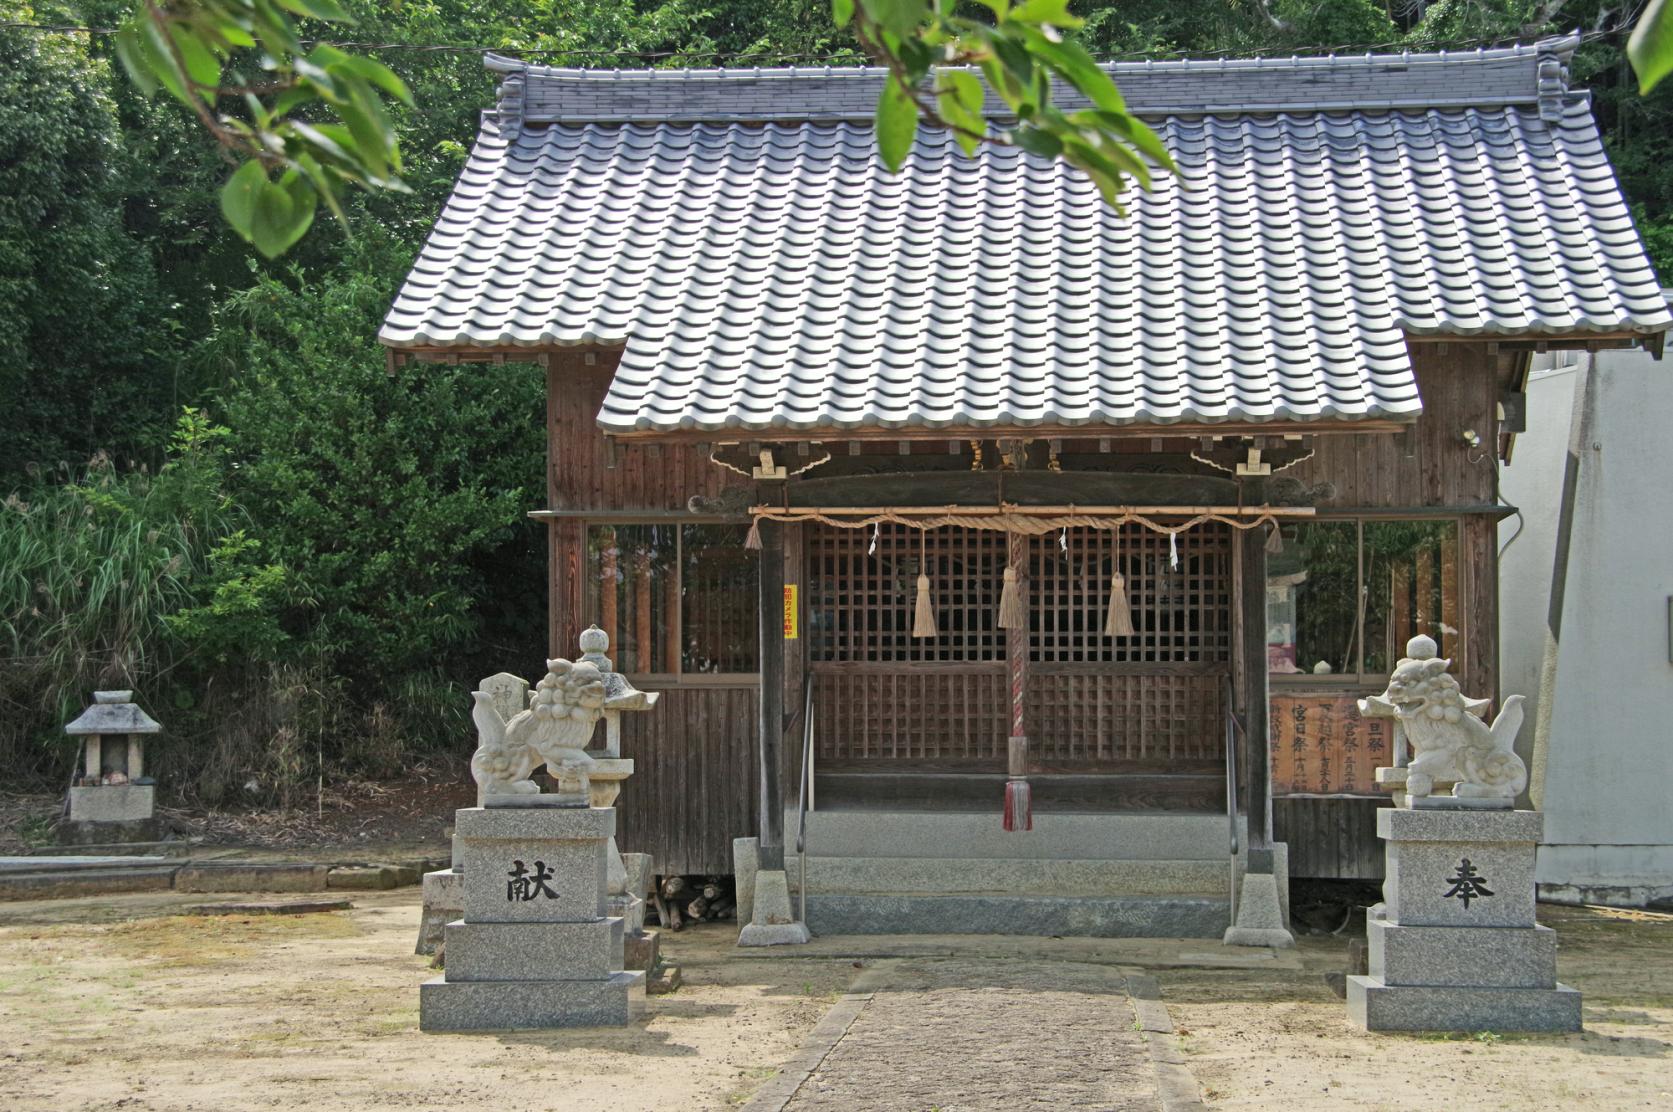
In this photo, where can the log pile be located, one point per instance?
(680, 900)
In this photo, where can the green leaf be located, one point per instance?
(897, 123)
(1035, 141)
(155, 52)
(961, 100)
(1053, 13)
(131, 53)
(328, 10)
(324, 187)
(238, 197)
(201, 64)
(1651, 46)
(283, 211)
(1077, 67)
(841, 12)
(902, 17)
(378, 74)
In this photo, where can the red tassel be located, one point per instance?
(1019, 805)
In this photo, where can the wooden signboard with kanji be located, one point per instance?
(1321, 745)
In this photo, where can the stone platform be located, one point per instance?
(1454, 946)
(534, 947)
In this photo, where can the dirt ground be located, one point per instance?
(349, 820)
(117, 1003)
(1279, 1039)
(125, 1002)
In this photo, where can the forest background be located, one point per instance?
(216, 497)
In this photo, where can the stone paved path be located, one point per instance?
(967, 1035)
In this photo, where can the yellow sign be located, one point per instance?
(792, 613)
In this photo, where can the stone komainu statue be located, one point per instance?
(1448, 739)
(554, 731)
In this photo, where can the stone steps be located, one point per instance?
(1110, 875)
(1009, 876)
(1132, 836)
(1064, 916)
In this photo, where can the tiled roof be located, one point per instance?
(771, 275)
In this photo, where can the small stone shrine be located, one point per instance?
(535, 945)
(111, 799)
(1454, 945)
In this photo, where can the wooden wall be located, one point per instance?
(694, 779)
(1330, 838)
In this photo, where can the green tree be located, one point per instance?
(84, 345)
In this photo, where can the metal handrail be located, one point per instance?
(804, 785)
(1233, 729)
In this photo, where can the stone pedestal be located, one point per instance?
(1454, 945)
(533, 947)
(102, 814)
(444, 901)
(773, 921)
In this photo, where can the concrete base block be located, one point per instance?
(745, 860)
(774, 934)
(445, 1005)
(1467, 957)
(1379, 1007)
(113, 803)
(444, 901)
(534, 952)
(630, 910)
(89, 834)
(564, 846)
(1068, 916)
(250, 878)
(1260, 916)
(362, 878)
(774, 922)
(642, 951)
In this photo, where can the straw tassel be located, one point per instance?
(752, 539)
(1010, 603)
(1274, 540)
(923, 615)
(1119, 622)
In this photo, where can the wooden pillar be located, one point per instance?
(1257, 710)
(609, 573)
(771, 724)
(1016, 657)
(795, 655)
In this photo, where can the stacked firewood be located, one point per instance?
(680, 900)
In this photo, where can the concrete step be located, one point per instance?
(1063, 916)
(1138, 836)
(1009, 876)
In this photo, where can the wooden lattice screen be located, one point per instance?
(1155, 696)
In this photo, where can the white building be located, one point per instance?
(1594, 656)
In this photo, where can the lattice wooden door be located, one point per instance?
(1094, 701)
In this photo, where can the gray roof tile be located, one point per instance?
(766, 275)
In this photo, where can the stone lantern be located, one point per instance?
(112, 800)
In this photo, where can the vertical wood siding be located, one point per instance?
(693, 787)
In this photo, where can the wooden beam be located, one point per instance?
(771, 724)
(791, 513)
